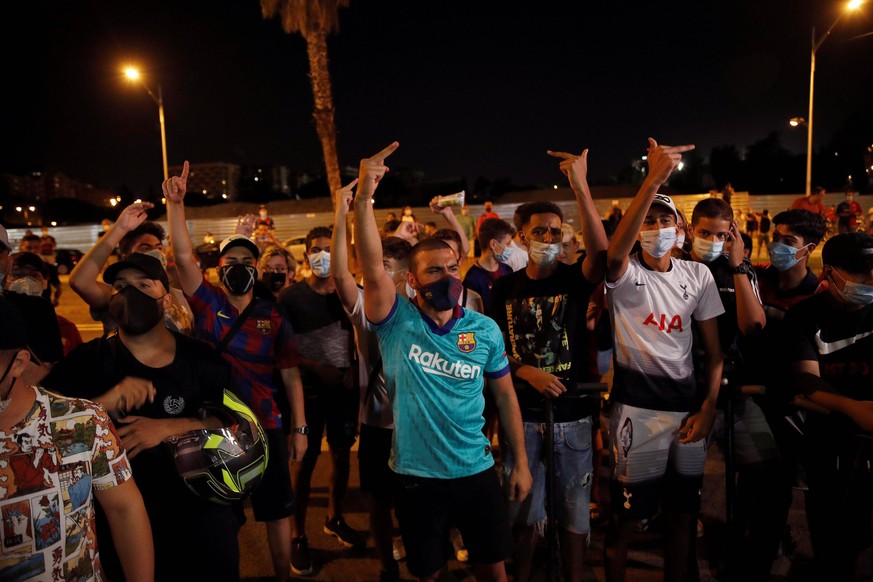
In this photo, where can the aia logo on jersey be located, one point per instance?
(661, 323)
(467, 341)
(264, 326)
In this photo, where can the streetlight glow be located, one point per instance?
(133, 74)
(854, 4)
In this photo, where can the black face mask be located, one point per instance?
(443, 294)
(134, 311)
(274, 281)
(238, 279)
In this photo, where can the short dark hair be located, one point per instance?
(747, 240)
(818, 190)
(394, 247)
(391, 225)
(712, 208)
(448, 234)
(809, 225)
(424, 246)
(528, 209)
(148, 227)
(317, 232)
(32, 261)
(493, 228)
(852, 251)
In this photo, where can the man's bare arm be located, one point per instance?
(346, 287)
(190, 275)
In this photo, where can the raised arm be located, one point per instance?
(379, 290)
(83, 278)
(346, 287)
(662, 161)
(190, 275)
(450, 217)
(750, 313)
(593, 235)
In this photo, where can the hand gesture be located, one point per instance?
(139, 433)
(407, 231)
(664, 159)
(134, 215)
(697, 426)
(344, 197)
(436, 208)
(574, 167)
(520, 481)
(373, 169)
(175, 187)
(129, 394)
(736, 253)
(543, 382)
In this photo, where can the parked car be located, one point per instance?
(296, 245)
(66, 259)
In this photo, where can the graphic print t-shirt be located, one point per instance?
(652, 316)
(542, 326)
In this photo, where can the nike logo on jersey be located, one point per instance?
(831, 347)
(432, 363)
(220, 314)
(638, 284)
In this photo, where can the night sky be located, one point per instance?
(468, 88)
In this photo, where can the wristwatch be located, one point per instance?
(742, 269)
(302, 429)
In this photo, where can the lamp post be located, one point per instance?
(133, 75)
(816, 44)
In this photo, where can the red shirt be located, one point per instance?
(803, 203)
(485, 215)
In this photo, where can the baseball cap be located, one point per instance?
(664, 200)
(852, 251)
(14, 336)
(148, 264)
(238, 240)
(4, 238)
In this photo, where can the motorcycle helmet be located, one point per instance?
(226, 463)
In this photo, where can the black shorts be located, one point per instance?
(334, 410)
(374, 449)
(428, 508)
(273, 499)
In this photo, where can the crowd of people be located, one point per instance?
(448, 378)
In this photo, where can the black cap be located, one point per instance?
(238, 240)
(852, 251)
(148, 264)
(14, 336)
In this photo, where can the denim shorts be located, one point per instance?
(574, 473)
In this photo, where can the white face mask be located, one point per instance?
(544, 254)
(26, 286)
(320, 264)
(707, 250)
(159, 255)
(680, 240)
(658, 243)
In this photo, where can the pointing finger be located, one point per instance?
(185, 168)
(385, 153)
(652, 144)
(677, 149)
(562, 155)
(351, 184)
(584, 154)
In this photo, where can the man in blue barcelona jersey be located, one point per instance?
(436, 357)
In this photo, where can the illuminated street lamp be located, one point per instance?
(816, 44)
(133, 75)
(796, 121)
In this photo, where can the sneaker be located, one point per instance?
(461, 553)
(301, 560)
(338, 528)
(398, 549)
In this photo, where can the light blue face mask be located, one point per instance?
(506, 254)
(320, 264)
(707, 250)
(782, 256)
(855, 293)
(659, 242)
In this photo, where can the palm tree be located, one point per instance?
(314, 20)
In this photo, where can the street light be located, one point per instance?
(816, 44)
(133, 75)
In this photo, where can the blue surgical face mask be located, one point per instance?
(544, 254)
(506, 254)
(854, 293)
(320, 264)
(658, 243)
(707, 250)
(782, 256)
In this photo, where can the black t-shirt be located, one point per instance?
(841, 342)
(542, 322)
(196, 375)
(765, 224)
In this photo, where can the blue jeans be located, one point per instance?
(574, 473)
